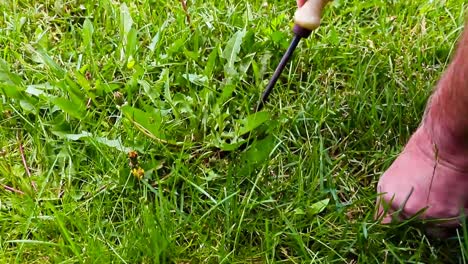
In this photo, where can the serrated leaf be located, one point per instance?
(245, 64)
(151, 122)
(11, 91)
(229, 146)
(192, 54)
(196, 79)
(69, 107)
(150, 90)
(220, 143)
(45, 59)
(154, 41)
(113, 143)
(85, 135)
(226, 94)
(73, 90)
(210, 63)
(83, 82)
(7, 76)
(73, 137)
(253, 121)
(70, 86)
(38, 89)
(176, 47)
(231, 52)
(260, 150)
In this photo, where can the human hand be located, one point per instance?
(300, 2)
(309, 13)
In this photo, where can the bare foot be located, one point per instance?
(424, 178)
(431, 173)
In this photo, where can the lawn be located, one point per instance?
(127, 130)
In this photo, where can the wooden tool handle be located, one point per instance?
(309, 15)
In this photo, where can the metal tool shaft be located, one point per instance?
(295, 41)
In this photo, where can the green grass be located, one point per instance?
(82, 84)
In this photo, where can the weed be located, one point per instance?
(127, 130)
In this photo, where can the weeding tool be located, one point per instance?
(307, 19)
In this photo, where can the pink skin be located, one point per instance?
(431, 173)
(433, 166)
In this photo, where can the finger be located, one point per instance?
(300, 2)
(388, 217)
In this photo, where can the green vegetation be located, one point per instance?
(140, 145)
